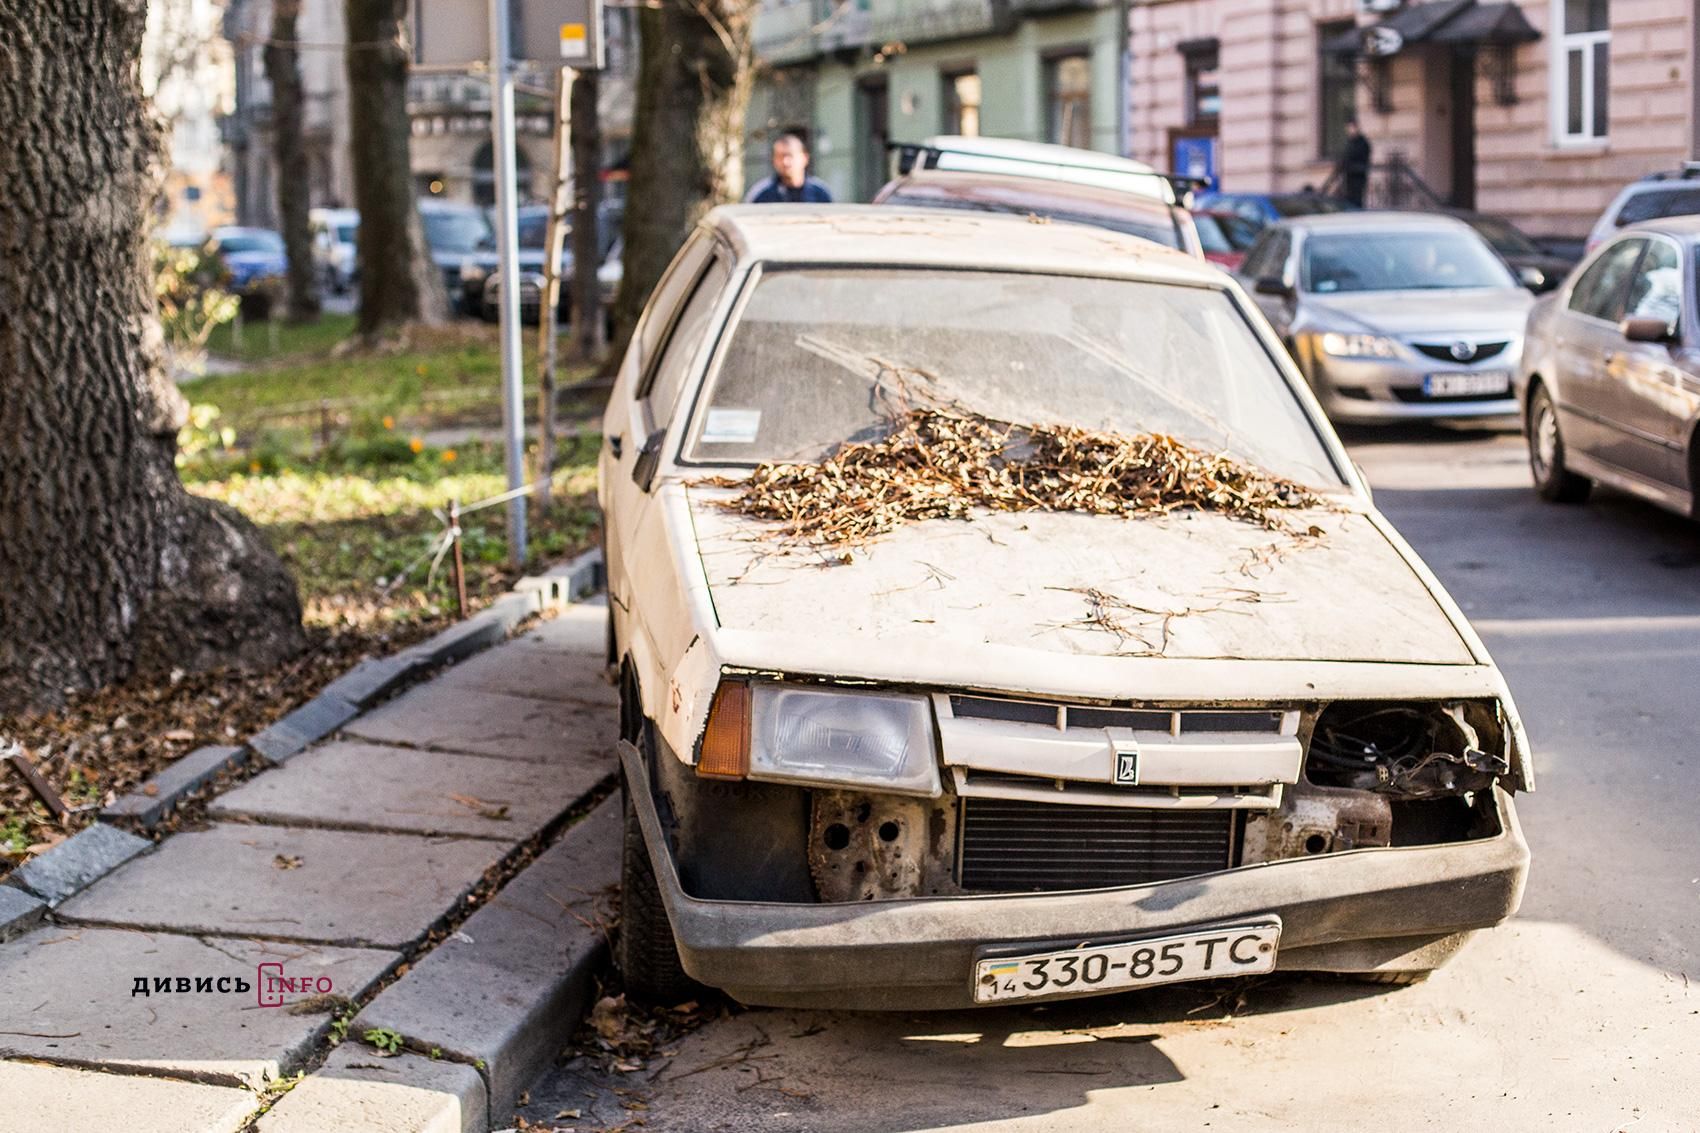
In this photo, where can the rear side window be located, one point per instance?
(1599, 291)
(1656, 203)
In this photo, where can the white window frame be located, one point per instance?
(1558, 86)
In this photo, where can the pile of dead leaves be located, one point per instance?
(101, 745)
(946, 462)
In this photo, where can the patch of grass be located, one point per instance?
(260, 340)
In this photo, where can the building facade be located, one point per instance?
(1538, 110)
(852, 75)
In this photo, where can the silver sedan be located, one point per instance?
(1392, 316)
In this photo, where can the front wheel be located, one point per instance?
(1553, 480)
(647, 952)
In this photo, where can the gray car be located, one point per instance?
(1610, 381)
(1392, 316)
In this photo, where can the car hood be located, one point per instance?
(1485, 310)
(1183, 586)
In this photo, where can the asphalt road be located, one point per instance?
(1581, 1014)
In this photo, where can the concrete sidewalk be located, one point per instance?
(316, 880)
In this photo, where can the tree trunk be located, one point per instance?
(587, 204)
(109, 567)
(289, 153)
(398, 282)
(694, 76)
(547, 325)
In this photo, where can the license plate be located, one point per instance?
(1467, 384)
(1238, 950)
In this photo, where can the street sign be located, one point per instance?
(1381, 40)
(455, 33)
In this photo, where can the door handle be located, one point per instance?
(615, 444)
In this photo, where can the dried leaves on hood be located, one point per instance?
(945, 462)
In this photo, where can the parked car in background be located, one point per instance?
(257, 263)
(1225, 236)
(1043, 160)
(1267, 208)
(1136, 214)
(336, 257)
(453, 231)
(481, 276)
(1610, 377)
(1538, 269)
(922, 778)
(1655, 196)
(1392, 315)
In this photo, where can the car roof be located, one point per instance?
(1049, 161)
(1038, 193)
(225, 231)
(1370, 220)
(864, 235)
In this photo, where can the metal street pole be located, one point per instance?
(507, 253)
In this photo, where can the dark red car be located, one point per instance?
(1226, 236)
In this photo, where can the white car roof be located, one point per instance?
(1050, 162)
(866, 235)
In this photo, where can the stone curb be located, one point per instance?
(77, 862)
(175, 783)
(508, 989)
(87, 856)
(19, 911)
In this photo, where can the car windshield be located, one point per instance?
(1224, 234)
(456, 231)
(251, 242)
(1157, 231)
(1506, 240)
(1426, 260)
(1653, 204)
(534, 229)
(821, 356)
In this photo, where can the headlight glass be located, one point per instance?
(1358, 345)
(866, 739)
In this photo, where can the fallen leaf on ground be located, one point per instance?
(287, 861)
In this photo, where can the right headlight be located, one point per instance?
(865, 739)
(1358, 345)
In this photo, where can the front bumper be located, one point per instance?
(1393, 909)
(1391, 389)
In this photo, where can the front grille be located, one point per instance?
(1013, 845)
(1415, 394)
(1183, 722)
(1443, 350)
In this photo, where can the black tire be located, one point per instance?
(647, 953)
(1553, 481)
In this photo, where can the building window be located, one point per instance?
(1068, 100)
(1581, 70)
(1203, 90)
(962, 103)
(1336, 89)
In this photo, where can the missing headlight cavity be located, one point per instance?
(1408, 750)
(866, 846)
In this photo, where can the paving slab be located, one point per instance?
(161, 793)
(69, 999)
(563, 659)
(41, 1098)
(377, 787)
(357, 1091)
(78, 862)
(303, 727)
(19, 911)
(510, 987)
(491, 723)
(334, 886)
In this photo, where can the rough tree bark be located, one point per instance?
(289, 154)
(695, 70)
(107, 566)
(398, 282)
(587, 204)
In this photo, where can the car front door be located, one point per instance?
(1585, 331)
(1644, 395)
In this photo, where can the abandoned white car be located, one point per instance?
(997, 618)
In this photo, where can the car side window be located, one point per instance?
(1656, 203)
(658, 315)
(1656, 290)
(1268, 256)
(689, 330)
(1599, 291)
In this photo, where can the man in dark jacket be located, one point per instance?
(1354, 165)
(790, 182)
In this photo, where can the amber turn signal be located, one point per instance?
(726, 742)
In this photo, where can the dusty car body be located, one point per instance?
(912, 774)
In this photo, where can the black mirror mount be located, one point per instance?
(648, 459)
(1273, 285)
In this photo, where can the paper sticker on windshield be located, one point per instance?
(731, 426)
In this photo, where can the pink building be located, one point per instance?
(1538, 110)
